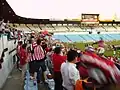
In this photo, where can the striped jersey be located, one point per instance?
(38, 53)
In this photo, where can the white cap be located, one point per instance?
(53, 47)
(78, 51)
(90, 48)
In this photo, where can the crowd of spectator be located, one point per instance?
(67, 66)
(38, 54)
(11, 32)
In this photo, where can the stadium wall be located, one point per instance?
(9, 59)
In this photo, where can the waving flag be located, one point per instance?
(107, 66)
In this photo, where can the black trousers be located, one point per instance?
(18, 59)
(58, 81)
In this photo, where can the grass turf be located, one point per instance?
(108, 51)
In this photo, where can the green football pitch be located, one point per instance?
(108, 50)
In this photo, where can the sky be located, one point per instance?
(65, 9)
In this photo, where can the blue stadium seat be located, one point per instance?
(103, 37)
(115, 36)
(75, 38)
(30, 84)
(87, 37)
(96, 37)
(61, 38)
(106, 37)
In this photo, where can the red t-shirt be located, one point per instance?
(47, 49)
(57, 61)
(23, 57)
(78, 59)
(19, 47)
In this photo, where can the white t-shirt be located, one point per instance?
(70, 75)
(101, 50)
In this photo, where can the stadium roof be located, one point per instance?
(7, 13)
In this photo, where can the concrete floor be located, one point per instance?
(14, 82)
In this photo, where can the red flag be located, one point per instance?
(107, 66)
(45, 32)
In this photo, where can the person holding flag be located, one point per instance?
(101, 46)
(107, 67)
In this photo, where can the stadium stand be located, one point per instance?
(75, 28)
(60, 28)
(48, 27)
(110, 28)
(100, 28)
(37, 28)
(86, 37)
(61, 38)
(22, 27)
(67, 28)
(118, 27)
(31, 27)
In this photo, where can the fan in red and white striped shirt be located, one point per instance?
(38, 51)
(34, 44)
